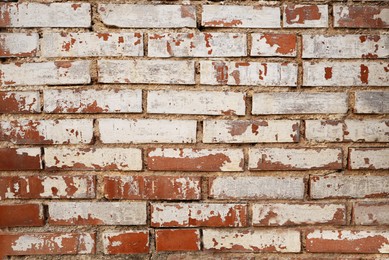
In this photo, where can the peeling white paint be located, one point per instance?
(365, 158)
(14, 44)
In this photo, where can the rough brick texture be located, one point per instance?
(185, 130)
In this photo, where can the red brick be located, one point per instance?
(308, 16)
(365, 16)
(13, 102)
(21, 215)
(177, 240)
(126, 242)
(13, 159)
(273, 44)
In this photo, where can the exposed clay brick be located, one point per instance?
(274, 159)
(346, 46)
(366, 16)
(116, 130)
(13, 102)
(252, 240)
(290, 214)
(198, 215)
(371, 213)
(126, 242)
(97, 213)
(368, 158)
(45, 73)
(250, 131)
(197, 45)
(152, 187)
(274, 44)
(20, 159)
(195, 102)
(246, 187)
(18, 44)
(341, 186)
(248, 73)
(50, 187)
(91, 44)
(371, 102)
(299, 103)
(53, 243)
(92, 101)
(146, 71)
(21, 215)
(147, 16)
(347, 241)
(338, 73)
(125, 159)
(305, 16)
(186, 159)
(62, 131)
(241, 16)
(28, 15)
(177, 240)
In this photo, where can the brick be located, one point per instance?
(92, 101)
(177, 240)
(347, 241)
(29, 15)
(125, 159)
(12, 102)
(324, 130)
(21, 215)
(18, 44)
(299, 103)
(197, 45)
(152, 187)
(203, 160)
(366, 16)
(371, 102)
(148, 16)
(61, 131)
(345, 186)
(97, 213)
(368, 158)
(305, 16)
(53, 243)
(45, 73)
(241, 16)
(22, 159)
(47, 187)
(91, 44)
(246, 187)
(198, 215)
(371, 213)
(338, 73)
(275, 159)
(146, 71)
(248, 73)
(250, 131)
(252, 240)
(126, 242)
(290, 214)
(196, 102)
(345, 46)
(273, 44)
(115, 130)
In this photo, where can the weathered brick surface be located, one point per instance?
(371, 102)
(366, 16)
(18, 44)
(177, 240)
(368, 158)
(20, 159)
(274, 44)
(14, 102)
(126, 242)
(24, 215)
(305, 16)
(371, 213)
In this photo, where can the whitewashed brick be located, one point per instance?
(361, 16)
(18, 44)
(305, 16)
(146, 71)
(20, 102)
(371, 213)
(369, 158)
(324, 130)
(195, 102)
(371, 102)
(147, 131)
(274, 44)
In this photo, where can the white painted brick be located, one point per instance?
(91, 44)
(371, 102)
(28, 15)
(45, 73)
(305, 16)
(371, 213)
(346, 46)
(147, 131)
(367, 130)
(361, 16)
(338, 73)
(20, 102)
(248, 73)
(255, 131)
(324, 130)
(241, 16)
(148, 16)
(369, 158)
(197, 45)
(146, 71)
(299, 103)
(274, 44)
(195, 102)
(18, 44)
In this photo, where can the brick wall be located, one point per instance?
(194, 129)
